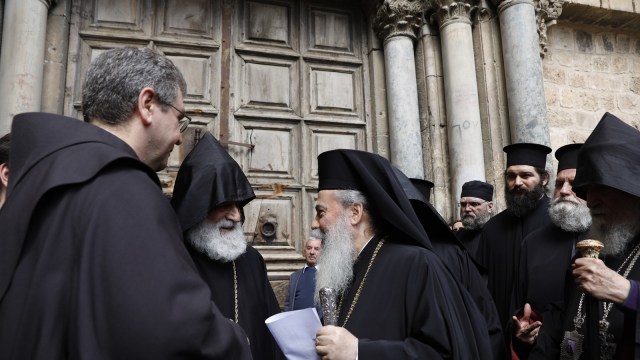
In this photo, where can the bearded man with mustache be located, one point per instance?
(476, 208)
(500, 243)
(547, 252)
(209, 195)
(397, 299)
(607, 174)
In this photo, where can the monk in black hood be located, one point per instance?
(208, 197)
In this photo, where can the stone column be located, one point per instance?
(22, 58)
(396, 23)
(466, 152)
(55, 59)
(523, 72)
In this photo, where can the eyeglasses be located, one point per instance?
(464, 204)
(184, 121)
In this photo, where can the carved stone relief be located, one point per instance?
(398, 18)
(547, 13)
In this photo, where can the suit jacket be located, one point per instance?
(291, 293)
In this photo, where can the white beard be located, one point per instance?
(472, 221)
(572, 216)
(207, 239)
(337, 257)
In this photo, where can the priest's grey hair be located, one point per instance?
(207, 239)
(472, 221)
(570, 214)
(350, 197)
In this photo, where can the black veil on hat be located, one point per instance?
(375, 177)
(208, 178)
(610, 157)
(527, 154)
(567, 156)
(477, 189)
(424, 186)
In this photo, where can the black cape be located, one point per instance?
(457, 260)
(411, 307)
(209, 177)
(544, 263)
(92, 261)
(499, 253)
(470, 239)
(559, 319)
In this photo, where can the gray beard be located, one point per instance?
(207, 239)
(472, 221)
(572, 217)
(337, 257)
(615, 238)
(519, 205)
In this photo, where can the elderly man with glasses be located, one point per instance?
(476, 208)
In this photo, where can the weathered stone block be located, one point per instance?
(620, 64)
(604, 43)
(621, 5)
(600, 63)
(634, 84)
(561, 37)
(623, 42)
(578, 79)
(554, 74)
(584, 41)
(628, 103)
(569, 98)
(551, 94)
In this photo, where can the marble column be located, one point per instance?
(55, 58)
(466, 152)
(22, 58)
(523, 72)
(396, 23)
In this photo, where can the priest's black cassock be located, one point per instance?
(455, 257)
(501, 239)
(410, 306)
(92, 263)
(611, 157)
(209, 178)
(546, 257)
(470, 239)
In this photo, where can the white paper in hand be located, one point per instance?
(295, 332)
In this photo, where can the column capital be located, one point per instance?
(547, 13)
(398, 18)
(454, 11)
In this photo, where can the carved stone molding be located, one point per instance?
(547, 13)
(398, 18)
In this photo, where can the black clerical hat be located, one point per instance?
(424, 186)
(568, 156)
(527, 154)
(376, 178)
(208, 178)
(610, 157)
(477, 189)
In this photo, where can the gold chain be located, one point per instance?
(357, 296)
(235, 290)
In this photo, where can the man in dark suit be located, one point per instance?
(302, 283)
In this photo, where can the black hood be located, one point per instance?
(610, 157)
(375, 177)
(208, 178)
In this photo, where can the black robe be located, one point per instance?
(410, 307)
(92, 264)
(544, 263)
(499, 253)
(256, 300)
(470, 239)
(559, 319)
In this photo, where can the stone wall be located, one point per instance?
(588, 71)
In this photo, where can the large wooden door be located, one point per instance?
(277, 81)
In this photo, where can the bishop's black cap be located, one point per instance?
(424, 186)
(610, 157)
(527, 154)
(477, 189)
(568, 156)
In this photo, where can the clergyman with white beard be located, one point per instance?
(209, 195)
(476, 208)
